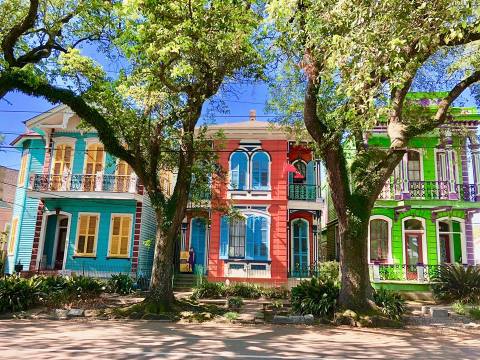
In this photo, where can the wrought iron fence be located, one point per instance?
(302, 192)
(85, 183)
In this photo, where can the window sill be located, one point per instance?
(118, 257)
(247, 260)
(85, 256)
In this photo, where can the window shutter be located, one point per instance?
(311, 188)
(224, 234)
(264, 240)
(250, 238)
(260, 175)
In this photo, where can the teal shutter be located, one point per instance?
(261, 238)
(224, 234)
(250, 238)
(311, 183)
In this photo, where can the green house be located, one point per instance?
(423, 216)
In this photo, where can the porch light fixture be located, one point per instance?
(57, 211)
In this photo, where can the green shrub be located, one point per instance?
(120, 284)
(245, 290)
(278, 292)
(316, 296)
(210, 290)
(459, 308)
(455, 282)
(17, 294)
(85, 287)
(329, 270)
(391, 303)
(474, 312)
(234, 302)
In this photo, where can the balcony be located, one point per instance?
(302, 192)
(428, 190)
(99, 185)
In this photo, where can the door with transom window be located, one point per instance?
(300, 248)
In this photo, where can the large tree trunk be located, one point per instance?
(356, 291)
(161, 288)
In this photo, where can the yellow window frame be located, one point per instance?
(23, 169)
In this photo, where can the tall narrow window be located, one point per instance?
(260, 171)
(379, 241)
(239, 171)
(62, 164)
(93, 165)
(87, 235)
(450, 241)
(13, 237)
(120, 235)
(122, 176)
(236, 248)
(301, 176)
(413, 166)
(23, 169)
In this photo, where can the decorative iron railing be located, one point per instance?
(85, 183)
(302, 192)
(429, 190)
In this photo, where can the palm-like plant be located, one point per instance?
(455, 282)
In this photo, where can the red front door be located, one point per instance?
(413, 254)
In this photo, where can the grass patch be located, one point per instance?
(231, 315)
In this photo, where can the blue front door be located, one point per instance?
(197, 241)
(300, 249)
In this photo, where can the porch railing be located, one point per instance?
(429, 190)
(403, 272)
(302, 192)
(85, 183)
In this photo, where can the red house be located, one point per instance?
(274, 186)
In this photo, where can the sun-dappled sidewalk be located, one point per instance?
(149, 340)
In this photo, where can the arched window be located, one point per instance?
(450, 241)
(413, 166)
(302, 170)
(238, 171)
(379, 238)
(413, 224)
(260, 171)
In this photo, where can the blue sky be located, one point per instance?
(18, 107)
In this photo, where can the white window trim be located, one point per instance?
(389, 243)
(55, 243)
(230, 170)
(62, 140)
(292, 265)
(250, 172)
(88, 142)
(462, 237)
(424, 238)
(420, 151)
(77, 232)
(131, 235)
(190, 237)
(245, 213)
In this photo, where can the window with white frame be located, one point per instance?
(379, 237)
(414, 165)
(245, 238)
(249, 170)
(450, 241)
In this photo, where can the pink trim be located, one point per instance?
(136, 236)
(36, 237)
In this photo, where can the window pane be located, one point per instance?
(90, 243)
(237, 239)
(124, 244)
(238, 171)
(378, 240)
(260, 165)
(116, 225)
(443, 226)
(413, 224)
(81, 244)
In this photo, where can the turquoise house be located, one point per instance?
(77, 208)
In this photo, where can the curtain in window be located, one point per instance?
(378, 240)
(260, 169)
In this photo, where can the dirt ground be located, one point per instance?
(87, 339)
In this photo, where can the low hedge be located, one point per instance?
(217, 290)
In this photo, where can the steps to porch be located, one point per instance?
(184, 282)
